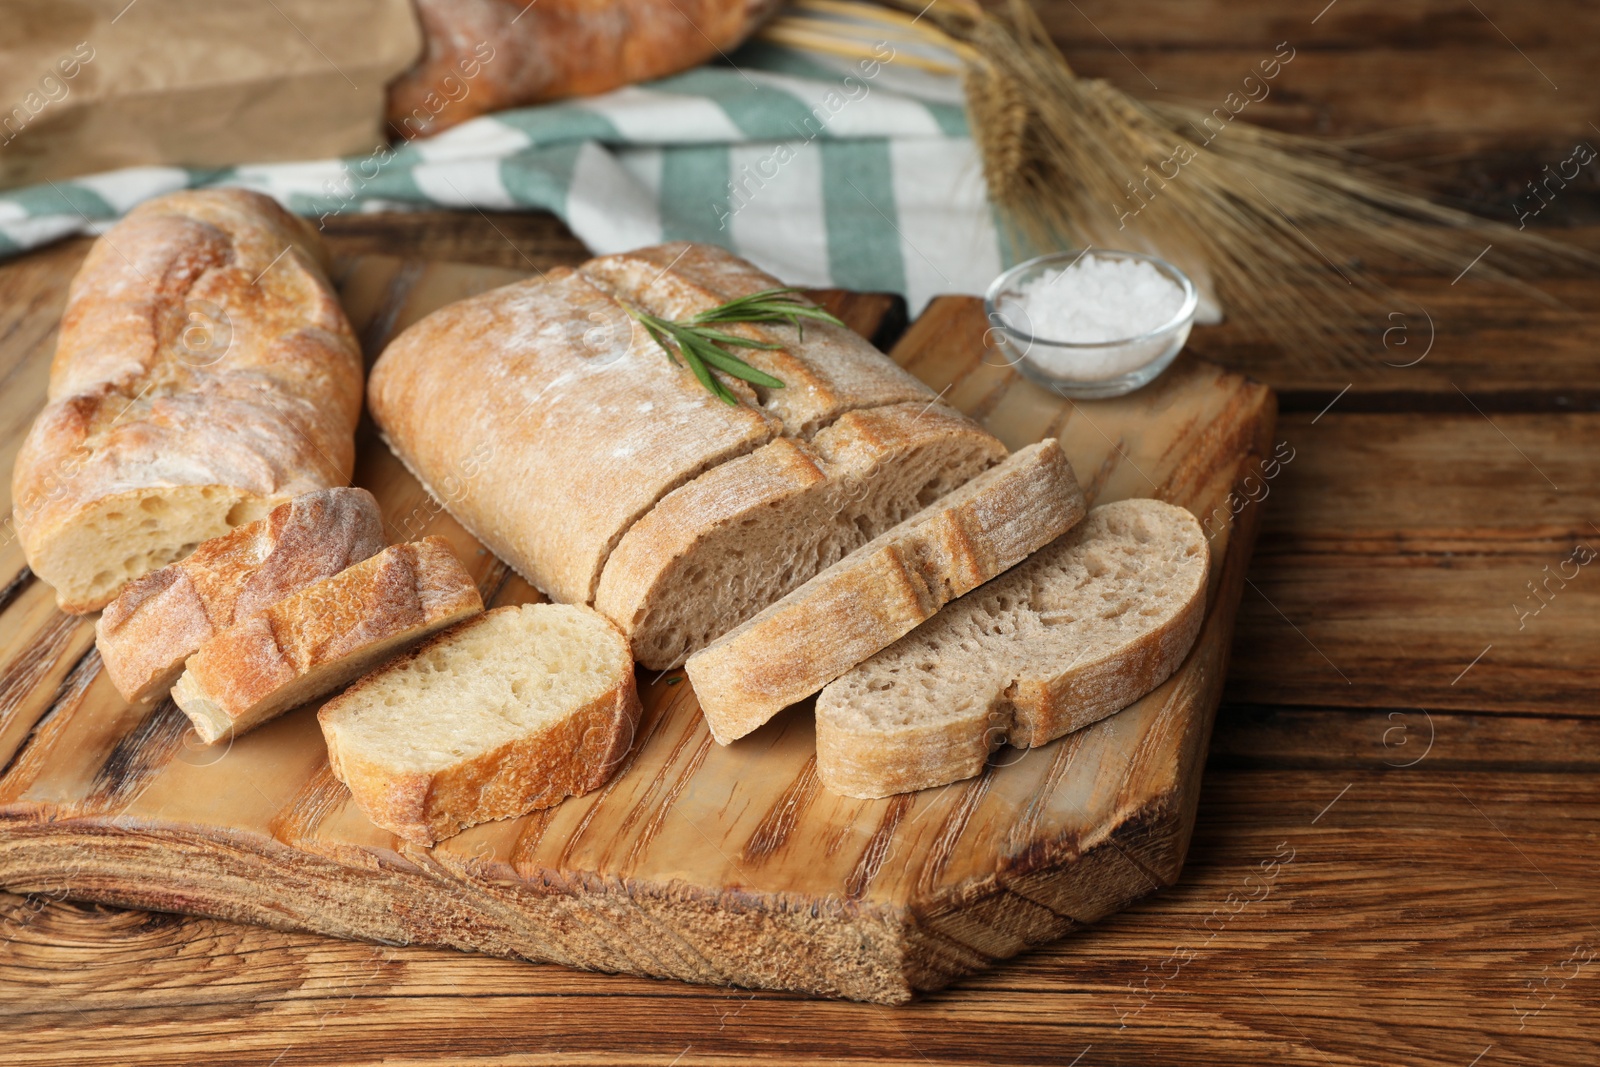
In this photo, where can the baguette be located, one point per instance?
(560, 424)
(161, 619)
(884, 589)
(510, 711)
(205, 373)
(714, 552)
(1087, 626)
(316, 640)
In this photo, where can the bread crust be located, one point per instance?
(159, 620)
(993, 668)
(809, 502)
(574, 755)
(315, 640)
(202, 348)
(935, 754)
(827, 370)
(884, 589)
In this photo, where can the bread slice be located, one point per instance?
(311, 643)
(884, 589)
(507, 712)
(717, 550)
(161, 619)
(1087, 626)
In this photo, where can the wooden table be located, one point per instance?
(1406, 744)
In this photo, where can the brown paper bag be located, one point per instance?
(93, 85)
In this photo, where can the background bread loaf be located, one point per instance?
(204, 374)
(484, 55)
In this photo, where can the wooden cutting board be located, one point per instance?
(698, 862)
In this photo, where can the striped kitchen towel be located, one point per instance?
(825, 172)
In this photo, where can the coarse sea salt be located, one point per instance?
(1093, 301)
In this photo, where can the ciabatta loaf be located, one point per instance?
(1087, 626)
(714, 552)
(557, 423)
(205, 373)
(309, 644)
(884, 589)
(560, 424)
(161, 619)
(507, 712)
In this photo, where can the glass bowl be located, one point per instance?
(1085, 370)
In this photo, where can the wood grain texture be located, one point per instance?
(1466, 347)
(1385, 590)
(1256, 736)
(1377, 933)
(715, 865)
(1465, 74)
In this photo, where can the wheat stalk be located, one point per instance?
(1276, 225)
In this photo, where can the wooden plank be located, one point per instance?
(1466, 348)
(1485, 72)
(1403, 738)
(1429, 29)
(1471, 98)
(1397, 550)
(1444, 346)
(1376, 959)
(716, 865)
(1387, 922)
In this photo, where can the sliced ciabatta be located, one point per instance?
(1087, 626)
(507, 712)
(884, 589)
(161, 619)
(557, 422)
(717, 550)
(547, 422)
(311, 643)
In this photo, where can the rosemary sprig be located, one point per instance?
(705, 349)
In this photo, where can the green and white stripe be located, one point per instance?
(822, 179)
